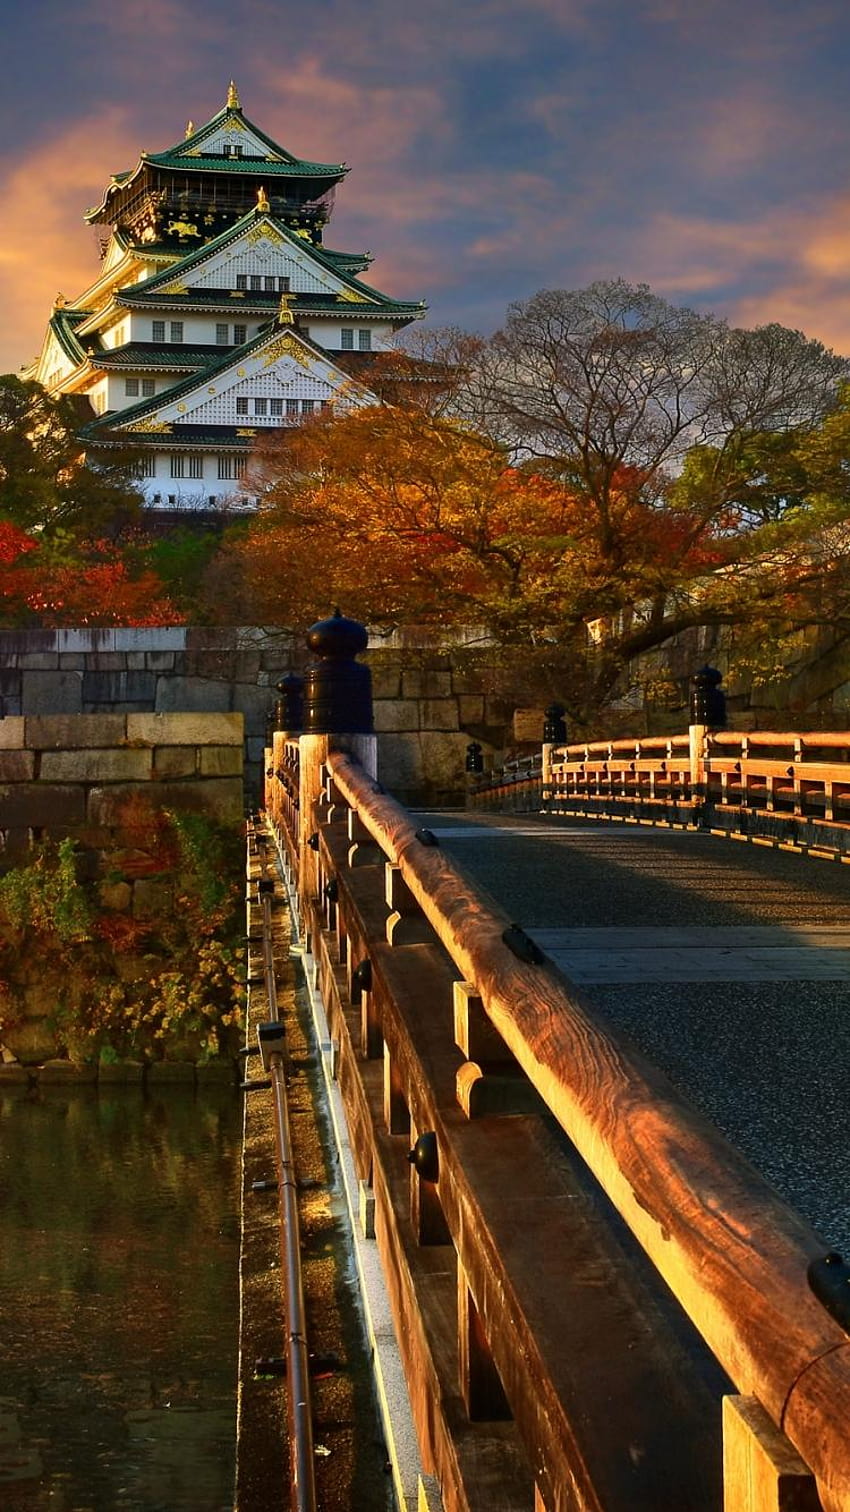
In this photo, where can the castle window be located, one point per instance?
(176, 330)
(292, 406)
(256, 281)
(178, 462)
(346, 339)
(242, 280)
(283, 286)
(148, 388)
(146, 468)
(308, 406)
(269, 285)
(239, 334)
(196, 465)
(260, 406)
(275, 406)
(221, 334)
(131, 387)
(364, 341)
(230, 468)
(242, 406)
(157, 330)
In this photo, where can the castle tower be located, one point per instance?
(218, 312)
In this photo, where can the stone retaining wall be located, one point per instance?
(72, 774)
(428, 706)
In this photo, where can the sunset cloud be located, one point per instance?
(495, 148)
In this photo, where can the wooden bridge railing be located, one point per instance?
(784, 786)
(545, 1366)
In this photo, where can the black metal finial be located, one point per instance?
(337, 689)
(708, 704)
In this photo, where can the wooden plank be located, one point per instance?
(762, 1472)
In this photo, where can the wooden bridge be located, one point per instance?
(599, 1301)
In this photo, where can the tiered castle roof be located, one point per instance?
(218, 311)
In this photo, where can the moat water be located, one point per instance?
(119, 1248)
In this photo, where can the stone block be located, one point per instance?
(246, 666)
(165, 638)
(32, 1041)
(12, 733)
(159, 661)
(175, 761)
(115, 896)
(444, 761)
(528, 726)
(107, 661)
(221, 761)
(119, 687)
(15, 846)
(72, 661)
(254, 702)
(440, 714)
(17, 766)
(217, 664)
(196, 729)
(57, 1071)
(39, 661)
(400, 762)
(135, 661)
(97, 766)
(497, 711)
(85, 640)
(191, 694)
(52, 693)
(424, 682)
(64, 732)
(469, 679)
(470, 709)
(396, 714)
(120, 1073)
(386, 679)
(41, 805)
(10, 683)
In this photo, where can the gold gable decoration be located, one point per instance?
(156, 427)
(257, 233)
(286, 346)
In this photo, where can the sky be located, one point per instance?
(496, 147)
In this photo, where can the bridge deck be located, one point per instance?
(727, 964)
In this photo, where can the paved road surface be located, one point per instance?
(727, 964)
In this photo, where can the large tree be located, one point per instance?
(615, 471)
(46, 482)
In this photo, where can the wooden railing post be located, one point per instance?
(337, 717)
(762, 1471)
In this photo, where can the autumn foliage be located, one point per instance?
(60, 583)
(407, 517)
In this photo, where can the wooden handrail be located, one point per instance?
(733, 1254)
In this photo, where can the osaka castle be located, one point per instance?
(219, 312)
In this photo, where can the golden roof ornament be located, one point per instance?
(262, 200)
(233, 97)
(284, 313)
(190, 129)
(59, 302)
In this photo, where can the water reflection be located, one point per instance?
(118, 1299)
